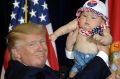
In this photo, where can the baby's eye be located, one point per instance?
(93, 17)
(84, 15)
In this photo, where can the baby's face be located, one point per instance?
(89, 20)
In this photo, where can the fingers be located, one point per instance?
(97, 37)
(52, 37)
(70, 34)
(74, 33)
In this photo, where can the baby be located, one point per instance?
(92, 31)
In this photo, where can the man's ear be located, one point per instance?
(15, 53)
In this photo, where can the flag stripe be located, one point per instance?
(114, 18)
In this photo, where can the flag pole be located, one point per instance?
(26, 10)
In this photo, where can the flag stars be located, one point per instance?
(21, 20)
(44, 6)
(13, 15)
(33, 13)
(10, 27)
(42, 17)
(24, 8)
(35, 2)
(16, 4)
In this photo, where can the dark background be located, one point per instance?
(60, 11)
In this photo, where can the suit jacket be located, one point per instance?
(17, 70)
(96, 69)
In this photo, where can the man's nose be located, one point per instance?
(40, 46)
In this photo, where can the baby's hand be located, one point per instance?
(52, 37)
(102, 40)
(97, 37)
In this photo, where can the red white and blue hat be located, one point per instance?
(95, 6)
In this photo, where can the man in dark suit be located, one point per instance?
(97, 68)
(28, 50)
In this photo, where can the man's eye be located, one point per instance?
(43, 41)
(93, 18)
(32, 44)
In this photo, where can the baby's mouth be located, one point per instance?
(86, 28)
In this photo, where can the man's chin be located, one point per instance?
(40, 65)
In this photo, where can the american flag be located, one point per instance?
(37, 12)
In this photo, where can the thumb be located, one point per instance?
(71, 33)
(75, 32)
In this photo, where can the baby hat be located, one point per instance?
(95, 6)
